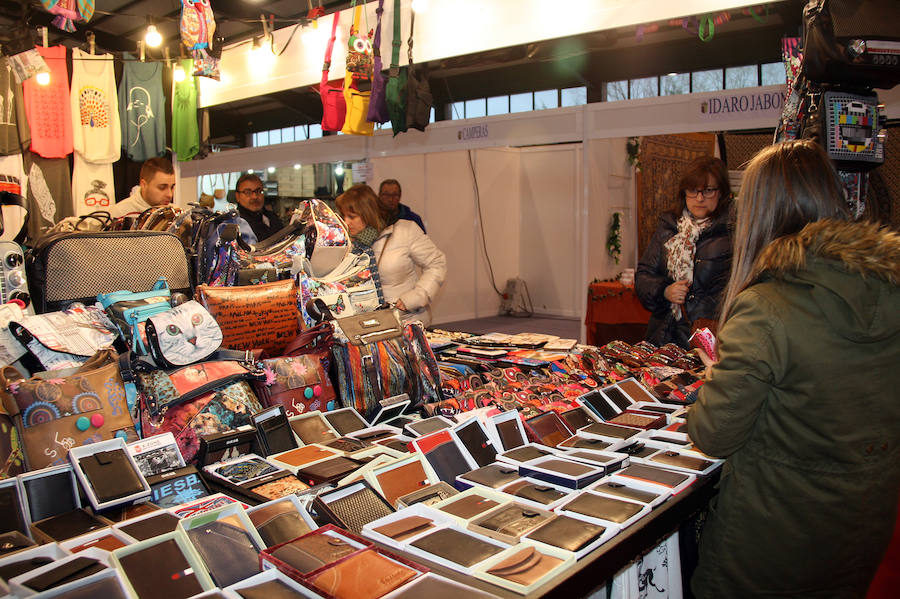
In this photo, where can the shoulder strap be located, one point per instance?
(397, 42)
(9, 375)
(376, 42)
(327, 66)
(409, 42)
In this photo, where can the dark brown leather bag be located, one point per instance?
(254, 316)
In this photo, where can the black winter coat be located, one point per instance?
(712, 265)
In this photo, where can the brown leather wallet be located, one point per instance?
(402, 480)
(469, 506)
(567, 533)
(566, 467)
(160, 571)
(304, 455)
(510, 522)
(366, 575)
(659, 476)
(626, 492)
(313, 552)
(107, 542)
(525, 567)
(534, 492)
(492, 475)
(327, 471)
(604, 508)
(151, 526)
(405, 528)
(278, 523)
(673, 458)
(456, 546)
(312, 429)
(254, 316)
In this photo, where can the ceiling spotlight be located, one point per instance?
(153, 37)
(297, 167)
(250, 171)
(339, 170)
(271, 169)
(179, 74)
(43, 78)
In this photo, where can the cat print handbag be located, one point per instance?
(183, 335)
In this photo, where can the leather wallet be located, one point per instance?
(304, 455)
(611, 430)
(638, 450)
(278, 523)
(523, 454)
(313, 552)
(160, 571)
(428, 495)
(347, 444)
(510, 522)
(469, 506)
(11, 515)
(50, 495)
(17, 568)
(673, 458)
(567, 468)
(327, 471)
(227, 550)
(447, 461)
(405, 528)
(510, 434)
(626, 492)
(534, 492)
(151, 526)
(493, 476)
(313, 429)
(13, 541)
(402, 480)
(616, 396)
(354, 510)
(638, 420)
(394, 444)
(111, 474)
(106, 542)
(271, 589)
(456, 546)
(604, 508)
(525, 567)
(636, 391)
(423, 428)
(71, 524)
(550, 429)
(476, 442)
(435, 587)
(280, 487)
(567, 533)
(659, 476)
(345, 421)
(107, 588)
(366, 575)
(584, 443)
(73, 569)
(577, 418)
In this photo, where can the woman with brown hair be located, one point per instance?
(681, 275)
(803, 399)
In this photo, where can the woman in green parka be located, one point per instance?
(804, 401)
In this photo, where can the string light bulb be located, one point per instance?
(297, 167)
(271, 169)
(178, 74)
(153, 36)
(43, 78)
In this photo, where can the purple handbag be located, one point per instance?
(378, 110)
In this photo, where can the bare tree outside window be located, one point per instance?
(773, 74)
(706, 81)
(648, 87)
(574, 96)
(738, 77)
(616, 90)
(675, 83)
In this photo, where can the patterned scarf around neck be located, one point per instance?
(367, 236)
(680, 251)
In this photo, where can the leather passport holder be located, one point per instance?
(511, 522)
(658, 476)
(672, 458)
(74, 569)
(105, 588)
(106, 542)
(280, 487)
(457, 547)
(604, 508)
(611, 430)
(313, 552)
(327, 471)
(525, 567)
(151, 526)
(356, 509)
(523, 454)
(566, 467)
(111, 474)
(312, 429)
(160, 572)
(278, 523)
(567, 533)
(474, 439)
(347, 444)
(469, 506)
(549, 428)
(510, 435)
(227, 551)
(271, 589)
(405, 528)
(493, 476)
(13, 541)
(304, 455)
(71, 524)
(626, 492)
(534, 492)
(366, 575)
(402, 480)
(345, 421)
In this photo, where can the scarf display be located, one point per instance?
(367, 236)
(680, 251)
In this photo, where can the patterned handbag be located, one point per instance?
(354, 286)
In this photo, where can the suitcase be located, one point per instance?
(75, 267)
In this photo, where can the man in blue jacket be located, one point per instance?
(389, 193)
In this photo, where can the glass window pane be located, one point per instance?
(737, 77)
(475, 108)
(521, 102)
(287, 135)
(274, 137)
(430, 118)
(498, 105)
(315, 130)
(262, 138)
(573, 96)
(301, 133)
(457, 110)
(546, 99)
(616, 90)
(675, 83)
(773, 74)
(253, 140)
(706, 81)
(648, 87)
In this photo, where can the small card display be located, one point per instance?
(157, 454)
(243, 470)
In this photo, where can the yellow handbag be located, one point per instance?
(359, 75)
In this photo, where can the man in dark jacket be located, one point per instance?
(389, 194)
(251, 199)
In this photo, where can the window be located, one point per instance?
(457, 111)
(262, 138)
(706, 81)
(498, 105)
(773, 74)
(315, 130)
(674, 84)
(430, 119)
(301, 132)
(275, 137)
(521, 102)
(738, 77)
(546, 99)
(616, 90)
(573, 96)
(475, 108)
(648, 87)
(287, 135)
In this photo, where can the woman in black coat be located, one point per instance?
(683, 271)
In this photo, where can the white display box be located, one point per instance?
(374, 475)
(617, 397)
(566, 558)
(314, 414)
(675, 440)
(269, 575)
(695, 464)
(610, 461)
(512, 424)
(578, 442)
(235, 510)
(634, 473)
(193, 560)
(631, 490)
(390, 408)
(15, 487)
(671, 412)
(425, 443)
(205, 504)
(293, 500)
(528, 451)
(609, 531)
(17, 585)
(508, 471)
(359, 473)
(598, 404)
(31, 481)
(110, 573)
(493, 499)
(537, 469)
(76, 454)
(71, 544)
(640, 513)
(416, 552)
(414, 588)
(636, 391)
(542, 484)
(464, 429)
(476, 524)
(611, 433)
(50, 550)
(377, 450)
(376, 432)
(284, 459)
(440, 520)
(427, 426)
(216, 593)
(358, 422)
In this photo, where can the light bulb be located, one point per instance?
(250, 171)
(43, 78)
(339, 170)
(179, 74)
(419, 5)
(271, 169)
(153, 37)
(296, 167)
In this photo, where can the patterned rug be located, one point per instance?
(663, 159)
(741, 147)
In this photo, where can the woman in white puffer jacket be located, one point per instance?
(411, 267)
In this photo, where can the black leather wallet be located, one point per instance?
(227, 551)
(510, 435)
(567, 533)
(50, 495)
(476, 442)
(457, 547)
(345, 421)
(11, 515)
(13, 541)
(105, 588)
(17, 568)
(447, 461)
(493, 476)
(151, 526)
(160, 572)
(111, 474)
(68, 525)
(550, 428)
(73, 569)
(577, 418)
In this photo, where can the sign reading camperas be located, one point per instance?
(473, 132)
(743, 105)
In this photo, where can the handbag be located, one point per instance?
(418, 91)
(395, 88)
(183, 335)
(358, 80)
(334, 108)
(129, 311)
(64, 339)
(254, 316)
(378, 110)
(354, 286)
(55, 412)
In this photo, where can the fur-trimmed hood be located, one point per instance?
(849, 270)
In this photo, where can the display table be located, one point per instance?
(614, 312)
